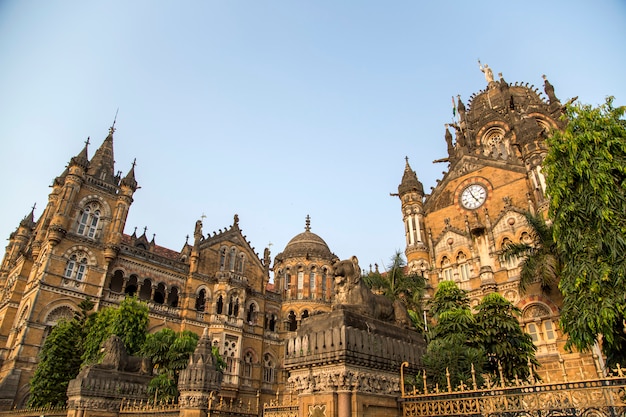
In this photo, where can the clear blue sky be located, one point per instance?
(274, 109)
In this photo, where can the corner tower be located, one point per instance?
(56, 262)
(411, 194)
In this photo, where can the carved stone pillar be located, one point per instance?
(344, 405)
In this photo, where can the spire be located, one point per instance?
(101, 165)
(81, 159)
(307, 223)
(129, 179)
(29, 220)
(410, 181)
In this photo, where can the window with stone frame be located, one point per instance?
(241, 260)
(464, 267)
(76, 267)
(269, 369)
(312, 284)
(539, 325)
(222, 259)
(231, 347)
(446, 269)
(88, 220)
(300, 283)
(201, 300)
(248, 361)
(324, 283)
(232, 259)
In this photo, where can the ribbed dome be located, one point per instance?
(307, 244)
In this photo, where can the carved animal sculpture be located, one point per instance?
(351, 293)
(116, 358)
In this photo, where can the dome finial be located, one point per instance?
(307, 226)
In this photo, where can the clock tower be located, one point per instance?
(458, 231)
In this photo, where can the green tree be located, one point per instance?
(505, 343)
(585, 172)
(170, 353)
(129, 321)
(59, 360)
(540, 259)
(453, 347)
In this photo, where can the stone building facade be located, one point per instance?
(77, 249)
(458, 231)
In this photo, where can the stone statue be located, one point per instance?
(352, 294)
(115, 358)
(487, 71)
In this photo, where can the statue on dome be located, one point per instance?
(487, 71)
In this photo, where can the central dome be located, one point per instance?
(307, 244)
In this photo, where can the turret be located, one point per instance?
(127, 188)
(67, 186)
(19, 239)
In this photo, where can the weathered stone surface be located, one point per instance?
(103, 389)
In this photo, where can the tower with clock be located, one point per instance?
(458, 231)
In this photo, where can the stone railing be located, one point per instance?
(352, 346)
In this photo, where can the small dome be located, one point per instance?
(306, 244)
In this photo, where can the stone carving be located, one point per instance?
(116, 358)
(352, 294)
(487, 71)
(341, 380)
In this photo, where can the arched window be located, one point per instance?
(76, 266)
(287, 281)
(269, 368)
(233, 259)
(222, 259)
(300, 283)
(271, 322)
(509, 262)
(131, 286)
(145, 292)
(241, 260)
(248, 361)
(446, 269)
(117, 281)
(312, 284)
(324, 284)
(201, 300)
(88, 220)
(172, 299)
(219, 305)
(464, 268)
(292, 324)
(305, 314)
(159, 294)
(540, 327)
(251, 314)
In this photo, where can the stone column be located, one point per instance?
(344, 404)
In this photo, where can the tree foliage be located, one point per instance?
(59, 360)
(129, 321)
(586, 179)
(505, 343)
(540, 259)
(170, 353)
(453, 351)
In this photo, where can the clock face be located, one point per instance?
(473, 196)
